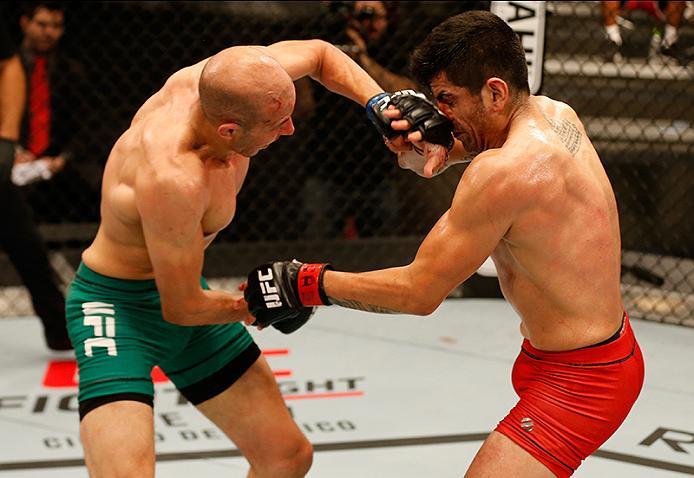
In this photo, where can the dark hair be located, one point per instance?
(470, 48)
(30, 8)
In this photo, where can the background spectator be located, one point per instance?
(19, 237)
(667, 17)
(371, 206)
(46, 126)
(367, 25)
(51, 136)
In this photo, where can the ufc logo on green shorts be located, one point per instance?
(101, 316)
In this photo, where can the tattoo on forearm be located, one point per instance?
(568, 133)
(352, 304)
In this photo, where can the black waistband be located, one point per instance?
(614, 336)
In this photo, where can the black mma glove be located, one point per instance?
(282, 294)
(415, 108)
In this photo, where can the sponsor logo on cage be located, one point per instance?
(527, 18)
(527, 424)
(272, 299)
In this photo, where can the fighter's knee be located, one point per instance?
(297, 461)
(135, 464)
(301, 461)
(293, 460)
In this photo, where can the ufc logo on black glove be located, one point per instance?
(282, 294)
(414, 107)
(270, 295)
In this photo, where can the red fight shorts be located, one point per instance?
(572, 402)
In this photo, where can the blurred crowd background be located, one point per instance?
(333, 191)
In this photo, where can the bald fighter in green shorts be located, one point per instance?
(138, 299)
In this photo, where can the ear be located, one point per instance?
(497, 94)
(24, 22)
(226, 130)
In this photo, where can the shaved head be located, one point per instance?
(244, 85)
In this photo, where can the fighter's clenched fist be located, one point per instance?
(282, 294)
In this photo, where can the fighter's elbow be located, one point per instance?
(420, 302)
(420, 298)
(318, 48)
(325, 57)
(424, 307)
(318, 43)
(173, 317)
(177, 314)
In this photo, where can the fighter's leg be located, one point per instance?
(119, 334)
(610, 12)
(118, 440)
(253, 415)
(548, 432)
(500, 457)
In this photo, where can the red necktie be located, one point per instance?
(39, 108)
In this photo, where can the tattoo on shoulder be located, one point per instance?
(568, 133)
(351, 304)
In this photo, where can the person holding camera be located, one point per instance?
(366, 28)
(369, 205)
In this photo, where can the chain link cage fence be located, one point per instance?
(332, 191)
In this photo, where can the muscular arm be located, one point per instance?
(326, 64)
(481, 213)
(171, 206)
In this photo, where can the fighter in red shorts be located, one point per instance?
(571, 402)
(537, 200)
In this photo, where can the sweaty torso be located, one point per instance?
(559, 263)
(160, 136)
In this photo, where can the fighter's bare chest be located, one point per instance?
(221, 205)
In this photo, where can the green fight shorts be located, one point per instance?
(119, 335)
